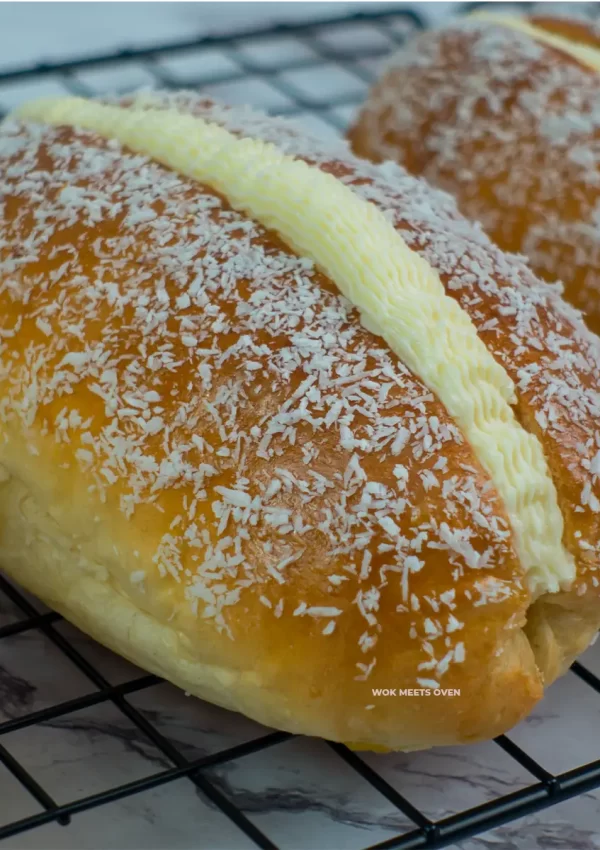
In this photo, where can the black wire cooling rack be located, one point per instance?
(318, 73)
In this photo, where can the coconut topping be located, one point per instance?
(400, 295)
(544, 345)
(220, 372)
(544, 113)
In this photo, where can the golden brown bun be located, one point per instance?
(123, 442)
(510, 127)
(576, 30)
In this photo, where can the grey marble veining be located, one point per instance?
(299, 793)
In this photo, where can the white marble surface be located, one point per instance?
(300, 794)
(63, 30)
(66, 31)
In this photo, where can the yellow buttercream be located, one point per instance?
(584, 53)
(399, 295)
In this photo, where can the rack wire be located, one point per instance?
(318, 73)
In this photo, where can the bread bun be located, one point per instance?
(504, 113)
(284, 428)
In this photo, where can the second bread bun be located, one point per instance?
(504, 113)
(284, 428)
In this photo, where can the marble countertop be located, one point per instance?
(299, 793)
(67, 30)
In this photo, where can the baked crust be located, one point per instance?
(139, 497)
(580, 30)
(509, 125)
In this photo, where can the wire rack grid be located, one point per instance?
(318, 73)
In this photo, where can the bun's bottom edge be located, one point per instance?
(37, 555)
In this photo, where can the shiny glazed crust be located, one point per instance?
(511, 127)
(215, 469)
